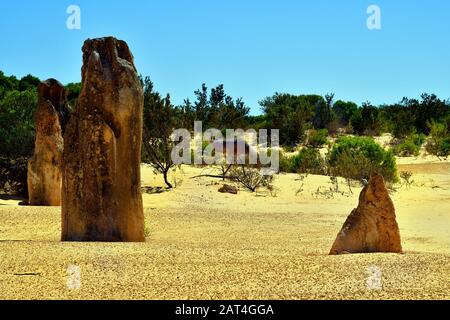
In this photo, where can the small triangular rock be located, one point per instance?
(372, 226)
(228, 189)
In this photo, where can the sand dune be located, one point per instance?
(207, 245)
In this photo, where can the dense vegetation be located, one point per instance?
(302, 119)
(353, 158)
(18, 99)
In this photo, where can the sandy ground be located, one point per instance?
(206, 245)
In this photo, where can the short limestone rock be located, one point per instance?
(372, 226)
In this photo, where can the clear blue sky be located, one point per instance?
(253, 47)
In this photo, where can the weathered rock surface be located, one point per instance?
(101, 194)
(44, 168)
(228, 189)
(372, 226)
(55, 92)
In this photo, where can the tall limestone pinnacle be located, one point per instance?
(44, 168)
(101, 193)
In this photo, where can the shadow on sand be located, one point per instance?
(153, 190)
(6, 197)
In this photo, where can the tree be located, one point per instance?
(16, 139)
(430, 108)
(290, 114)
(400, 118)
(28, 82)
(256, 122)
(7, 84)
(414, 116)
(344, 111)
(158, 127)
(323, 113)
(17, 123)
(18, 101)
(218, 110)
(73, 90)
(201, 105)
(367, 120)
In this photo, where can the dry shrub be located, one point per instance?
(250, 178)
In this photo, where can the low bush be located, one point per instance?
(251, 178)
(289, 148)
(317, 138)
(410, 146)
(310, 161)
(440, 148)
(439, 142)
(307, 160)
(287, 163)
(406, 176)
(358, 157)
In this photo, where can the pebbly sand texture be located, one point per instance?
(206, 245)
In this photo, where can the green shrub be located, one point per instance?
(310, 161)
(17, 136)
(406, 149)
(418, 139)
(289, 148)
(444, 146)
(439, 142)
(287, 163)
(410, 146)
(358, 157)
(17, 111)
(307, 160)
(317, 138)
(284, 163)
(439, 147)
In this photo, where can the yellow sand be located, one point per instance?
(207, 245)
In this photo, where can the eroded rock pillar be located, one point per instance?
(101, 197)
(44, 168)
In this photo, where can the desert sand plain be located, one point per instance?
(202, 244)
